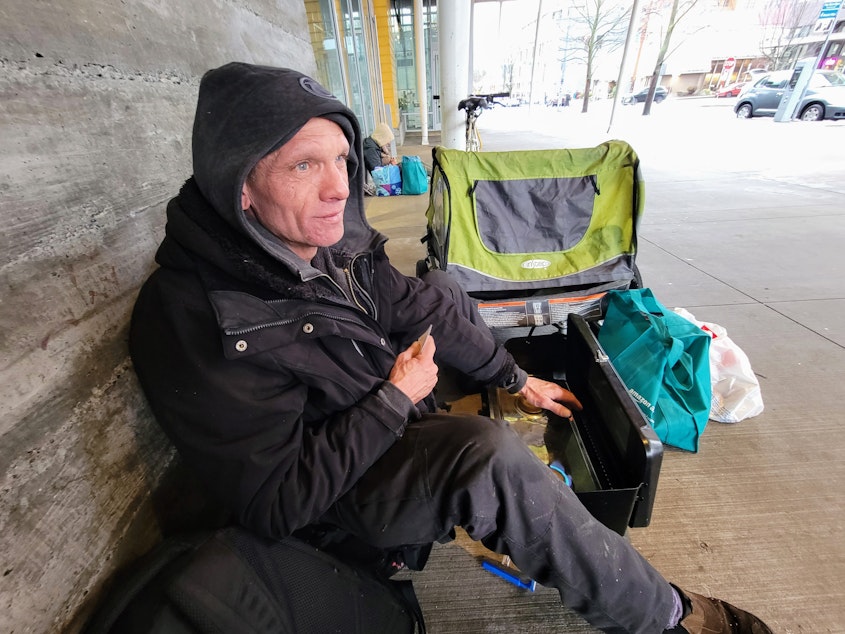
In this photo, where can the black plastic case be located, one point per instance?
(609, 449)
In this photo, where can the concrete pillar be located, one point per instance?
(455, 40)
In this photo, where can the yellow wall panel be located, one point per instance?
(386, 60)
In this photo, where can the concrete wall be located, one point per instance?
(96, 103)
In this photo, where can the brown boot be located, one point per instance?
(705, 615)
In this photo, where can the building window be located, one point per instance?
(339, 37)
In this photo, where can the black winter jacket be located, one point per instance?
(268, 378)
(373, 155)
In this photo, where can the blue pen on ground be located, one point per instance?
(509, 573)
(557, 467)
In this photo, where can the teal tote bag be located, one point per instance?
(664, 361)
(414, 176)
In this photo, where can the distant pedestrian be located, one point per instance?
(377, 151)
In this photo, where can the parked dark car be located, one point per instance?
(823, 99)
(660, 93)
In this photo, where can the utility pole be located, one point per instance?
(631, 23)
(534, 56)
(643, 34)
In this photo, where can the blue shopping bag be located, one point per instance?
(664, 361)
(388, 180)
(414, 176)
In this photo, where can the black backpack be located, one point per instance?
(230, 581)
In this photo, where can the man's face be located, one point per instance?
(299, 191)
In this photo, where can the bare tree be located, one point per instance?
(781, 21)
(593, 26)
(678, 11)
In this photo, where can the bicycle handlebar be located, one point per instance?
(494, 95)
(479, 102)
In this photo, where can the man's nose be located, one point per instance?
(337, 183)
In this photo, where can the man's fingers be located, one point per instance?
(565, 396)
(551, 396)
(574, 402)
(557, 408)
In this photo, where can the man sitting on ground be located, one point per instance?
(278, 349)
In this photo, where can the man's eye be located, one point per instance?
(301, 167)
(342, 158)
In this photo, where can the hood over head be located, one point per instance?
(382, 134)
(245, 112)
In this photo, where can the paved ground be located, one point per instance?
(744, 226)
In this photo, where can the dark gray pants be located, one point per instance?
(470, 471)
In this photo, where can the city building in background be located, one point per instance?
(345, 43)
(808, 35)
(367, 50)
(406, 62)
(366, 55)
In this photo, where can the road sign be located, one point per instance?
(827, 16)
(830, 9)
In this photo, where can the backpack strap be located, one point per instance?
(405, 589)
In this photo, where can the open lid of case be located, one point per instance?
(614, 453)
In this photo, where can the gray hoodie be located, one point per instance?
(236, 114)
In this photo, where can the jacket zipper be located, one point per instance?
(354, 285)
(281, 322)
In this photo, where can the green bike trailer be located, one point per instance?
(533, 235)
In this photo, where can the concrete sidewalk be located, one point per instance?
(752, 242)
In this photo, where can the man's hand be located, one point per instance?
(415, 372)
(550, 396)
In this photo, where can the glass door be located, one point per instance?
(322, 24)
(340, 32)
(355, 26)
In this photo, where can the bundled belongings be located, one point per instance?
(388, 180)
(736, 390)
(663, 358)
(414, 176)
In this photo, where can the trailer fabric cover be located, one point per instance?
(536, 219)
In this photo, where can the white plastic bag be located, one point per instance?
(736, 390)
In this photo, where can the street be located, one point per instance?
(695, 134)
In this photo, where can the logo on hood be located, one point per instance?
(536, 264)
(312, 86)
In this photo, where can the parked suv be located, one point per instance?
(823, 99)
(660, 93)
